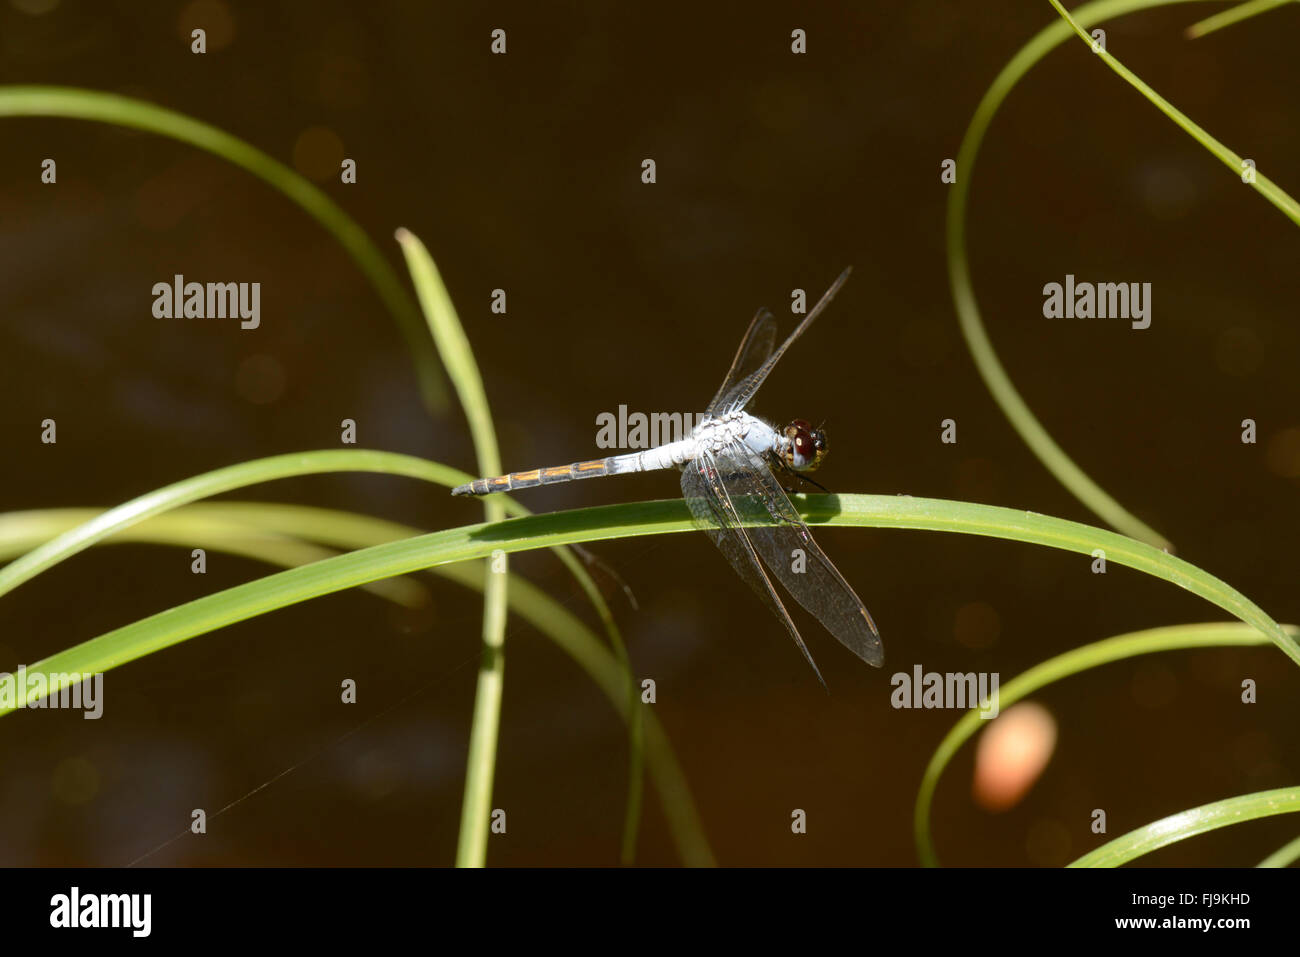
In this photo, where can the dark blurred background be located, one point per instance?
(774, 172)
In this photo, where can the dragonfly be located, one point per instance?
(731, 464)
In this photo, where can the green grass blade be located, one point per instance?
(1199, 820)
(81, 104)
(195, 527)
(973, 330)
(1073, 662)
(990, 367)
(261, 530)
(638, 711)
(629, 520)
(1262, 184)
(458, 357)
(347, 530)
(1237, 14)
(284, 466)
(1284, 856)
(214, 483)
(610, 675)
(591, 524)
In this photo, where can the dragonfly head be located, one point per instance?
(805, 446)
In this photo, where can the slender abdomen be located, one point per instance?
(594, 468)
(660, 457)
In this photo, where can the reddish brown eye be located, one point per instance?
(806, 447)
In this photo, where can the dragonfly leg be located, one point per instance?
(797, 476)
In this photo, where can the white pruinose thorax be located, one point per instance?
(716, 434)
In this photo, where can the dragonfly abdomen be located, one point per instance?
(594, 468)
(661, 457)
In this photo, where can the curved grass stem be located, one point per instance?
(81, 104)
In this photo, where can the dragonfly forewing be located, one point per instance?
(741, 394)
(759, 341)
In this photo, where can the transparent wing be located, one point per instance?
(787, 548)
(759, 341)
(740, 395)
(714, 514)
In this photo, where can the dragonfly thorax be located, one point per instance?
(717, 433)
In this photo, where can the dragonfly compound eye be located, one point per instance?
(806, 448)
